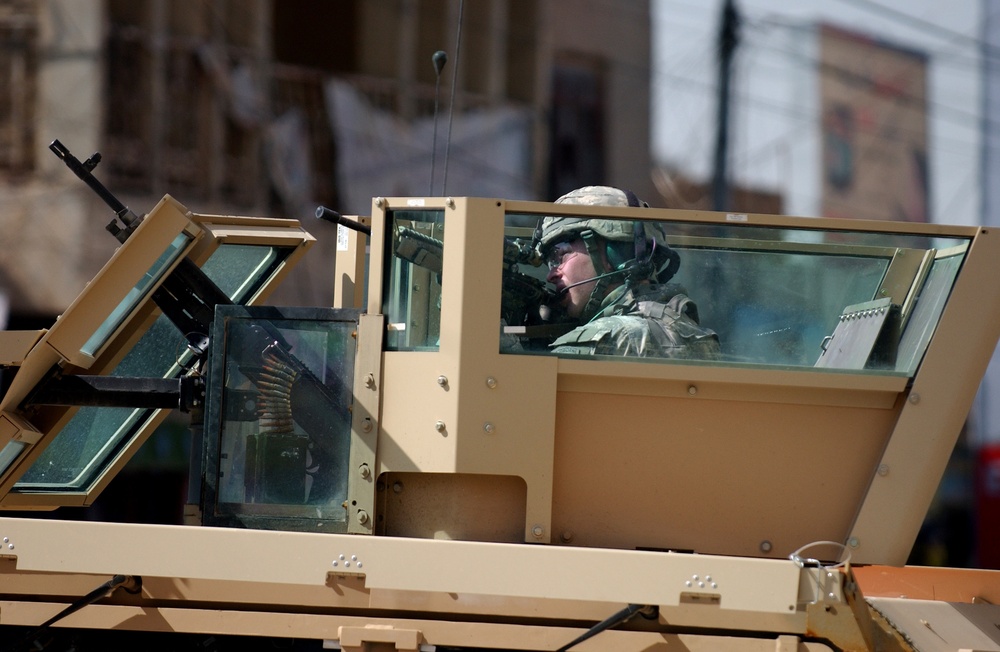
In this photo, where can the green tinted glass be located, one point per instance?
(89, 442)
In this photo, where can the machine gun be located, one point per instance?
(85, 170)
(187, 296)
(280, 380)
(526, 300)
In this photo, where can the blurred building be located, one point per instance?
(262, 107)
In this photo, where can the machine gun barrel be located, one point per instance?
(84, 172)
(324, 213)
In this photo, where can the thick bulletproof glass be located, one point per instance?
(775, 296)
(412, 293)
(135, 295)
(90, 440)
(9, 453)
(280, 399)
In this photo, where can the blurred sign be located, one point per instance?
(874, 102)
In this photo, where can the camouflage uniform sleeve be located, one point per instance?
(583, 340)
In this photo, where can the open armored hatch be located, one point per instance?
(116, 332)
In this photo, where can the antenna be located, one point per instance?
(439, 59)
(451, 105)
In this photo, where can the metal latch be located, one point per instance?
(354, 639)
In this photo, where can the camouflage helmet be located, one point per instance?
(558, 229)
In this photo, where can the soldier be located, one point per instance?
(612, 276)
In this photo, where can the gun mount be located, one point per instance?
(447, 481)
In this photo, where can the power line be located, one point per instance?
(923, 25)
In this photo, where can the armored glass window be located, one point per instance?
(136, 295)
(91, 438)
(9, 453)
(771, 295)
(280, 401)
(412, 295)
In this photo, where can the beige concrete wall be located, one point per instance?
(54, 239)
(54, 226)
(618, 34)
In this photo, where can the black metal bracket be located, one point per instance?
(185, 393)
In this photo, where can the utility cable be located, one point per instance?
(614, 620)
(451, 107)
(131, 583)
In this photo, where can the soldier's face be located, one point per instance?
(574, 265)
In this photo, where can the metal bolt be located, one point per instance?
(491, 382)
(450, 203)
(439, 426)
(397, 487)
(883, 470)
(914, 398)
(442, 381)
(488, 428)
(365, 471)
(370, 381)
(538, 531)
(379, 202)
(362, 516)
(765, 546)
(366, 424)
(566, 536)
(853, 542)
(692, 390)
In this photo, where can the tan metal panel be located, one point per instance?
(904, 480)
(15, 345)
(743, 585)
